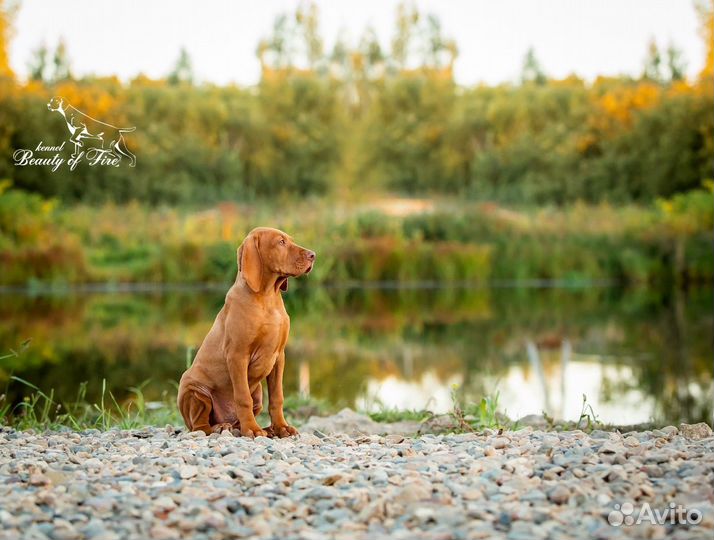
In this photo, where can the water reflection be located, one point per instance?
(637, 355)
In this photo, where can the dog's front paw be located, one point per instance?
(281, 431)
(253, 431)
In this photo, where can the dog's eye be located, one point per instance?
(282, 241)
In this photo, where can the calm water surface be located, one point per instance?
(637, 355)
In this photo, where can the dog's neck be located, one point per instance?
(270, 284)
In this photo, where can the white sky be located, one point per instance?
(587, 37)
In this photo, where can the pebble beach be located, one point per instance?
(165, 483)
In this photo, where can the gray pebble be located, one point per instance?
(169, 484)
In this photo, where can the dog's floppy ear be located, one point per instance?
(249, 263)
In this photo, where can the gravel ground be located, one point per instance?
(165, 483)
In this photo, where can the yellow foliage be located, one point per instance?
(358, 61)
(282, 133)
(666, 206)
(142, 80)
(91, 100)
(36, 88)
(705, 11)
(621, 102)
(48, 206)
(585, 142)
(615, 108)
(571, 81)
(5, 32)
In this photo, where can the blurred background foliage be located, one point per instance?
(42, 242)
(372, 155)
(325, 122)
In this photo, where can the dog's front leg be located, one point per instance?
(238, 371)
(278, 425)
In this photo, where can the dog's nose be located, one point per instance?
(310, 255)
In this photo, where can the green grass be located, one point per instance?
(40, 410)
(387, 415)
(462, 418)
(467, 417)
(478, 416)
(587, 421)
(483, 414)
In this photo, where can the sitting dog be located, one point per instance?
(222, 389)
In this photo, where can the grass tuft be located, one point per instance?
(472, 417)
(41, 411)
(387, 415)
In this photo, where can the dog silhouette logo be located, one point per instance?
(99, 135)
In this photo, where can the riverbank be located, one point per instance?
(165, 483)
(44, 243)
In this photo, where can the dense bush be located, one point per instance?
(615, 140)
(193, 144)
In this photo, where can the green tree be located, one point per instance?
(439, 52)
(676, 64)
(277, 51)
(307, 19)
(182, 72)
(653, 63)
(532, 71)
(38, 64)
(371, 49)
(407, 20)
(61, 62)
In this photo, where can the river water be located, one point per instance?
(636, 355)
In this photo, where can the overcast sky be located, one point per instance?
(586, 37)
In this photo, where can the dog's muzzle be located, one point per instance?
(310, 256)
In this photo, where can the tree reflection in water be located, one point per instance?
(637, 354)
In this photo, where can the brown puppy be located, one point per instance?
(222, 389)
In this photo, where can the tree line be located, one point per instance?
(367, 117)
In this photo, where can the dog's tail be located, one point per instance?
(127, 130)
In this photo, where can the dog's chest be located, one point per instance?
(272, 336)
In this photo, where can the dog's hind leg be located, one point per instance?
(199, 413)
(196, 409)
